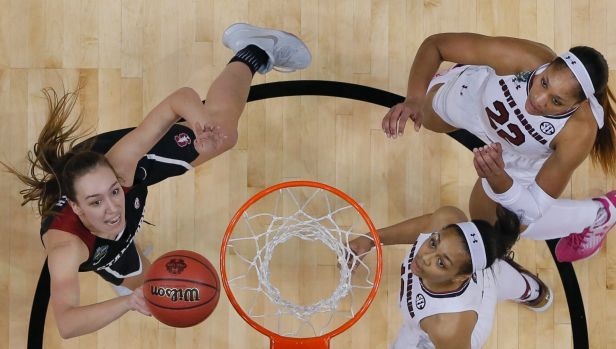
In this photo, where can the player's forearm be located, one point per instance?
(405, 232)
(425, 65)
(187, 104)
(77, 321)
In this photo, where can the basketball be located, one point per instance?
(181, 288)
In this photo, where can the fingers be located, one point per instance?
(394, 122)
(390, 121)
(417, 121)
(488, 161)
(478, 166)
(138, 302)
(208, 136)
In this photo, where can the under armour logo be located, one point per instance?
(461, 91)
(572, 61)
(473, 236)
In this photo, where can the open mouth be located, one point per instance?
(114, 221)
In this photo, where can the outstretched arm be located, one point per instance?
(65, 254)
(406, 232)
(506, 55)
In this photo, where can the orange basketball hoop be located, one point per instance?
(304, 212)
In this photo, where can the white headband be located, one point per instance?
(577, 67)
(475, 245)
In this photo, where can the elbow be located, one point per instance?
(187, 92)
(66, 332)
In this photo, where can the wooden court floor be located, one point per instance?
(132, 53)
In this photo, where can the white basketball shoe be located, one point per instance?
(287, 53)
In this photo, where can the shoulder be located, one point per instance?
(506, 55)
(579, 133)
(61, 244)
(450, 330)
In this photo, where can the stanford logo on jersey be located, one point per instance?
(182, 140)
(547, 128)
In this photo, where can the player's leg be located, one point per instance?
(256, 50)
(592, 220)
(516, 283)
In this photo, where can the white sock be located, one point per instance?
(509, 282)
(535, 289)
(563, 218)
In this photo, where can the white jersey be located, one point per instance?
(417, 302)
(491, 107)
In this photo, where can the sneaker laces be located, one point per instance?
(576, 240)
(282, 58)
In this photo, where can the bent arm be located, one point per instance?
(125, 154)
(506, 55)
(531, 202)
(73, 320)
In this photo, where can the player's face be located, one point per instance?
(440, 258)
(100, 202)
(554, 91)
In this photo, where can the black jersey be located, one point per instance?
(117, 259)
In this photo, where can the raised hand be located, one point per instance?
(207, 137)
(359, 247)
(488, 161)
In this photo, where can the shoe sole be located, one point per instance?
(547, 305)
(234, 28)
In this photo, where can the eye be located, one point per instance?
(555, 101)
(96, 203)
(433, 242)
(543, 83)
(440, 262)
(115, 192)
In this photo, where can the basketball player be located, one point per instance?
(547, 113)
(91, 197)
(453, 278)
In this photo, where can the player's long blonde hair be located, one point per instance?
(47, 178)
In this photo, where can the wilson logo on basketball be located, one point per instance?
(176, 294)
(175, 266)
(182, 140)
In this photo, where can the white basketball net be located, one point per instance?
(266, 232)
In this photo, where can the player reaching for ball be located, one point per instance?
(91, 196)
